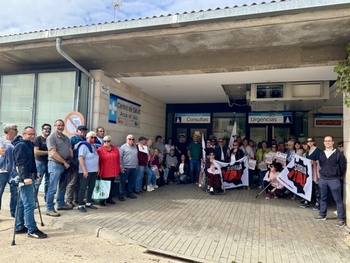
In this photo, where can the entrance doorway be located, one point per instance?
(260, 133)
(188, 132)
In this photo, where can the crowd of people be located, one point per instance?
(69, 168)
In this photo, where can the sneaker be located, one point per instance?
(37, 234)
(320, 218)
(82, 209)
(53, 213)
(211, 189)
(316, 207)
(149, 188)
(305, 205)
(154, 186)
(260, 187)
(340, 223)
(267, 196)
(199, 185)
(70, 204)
(64, 207)
(22, 231)
(91, 206)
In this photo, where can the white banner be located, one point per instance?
(297, 177)
(236, 174)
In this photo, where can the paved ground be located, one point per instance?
(186, 222)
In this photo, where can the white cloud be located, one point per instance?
(21, 16)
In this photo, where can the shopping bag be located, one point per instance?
(101, 190)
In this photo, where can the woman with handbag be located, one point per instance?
(109, 166)
(88, 168)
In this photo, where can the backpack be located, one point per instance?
(76, 150)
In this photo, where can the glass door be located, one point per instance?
(280, 133)
(259, 133)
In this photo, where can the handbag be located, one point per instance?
(101, 190)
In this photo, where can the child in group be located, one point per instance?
(271, 183)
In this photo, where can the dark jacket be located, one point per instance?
(239, 154)
(23, 154)
(334, 167)
(186, 169)
(218, 153)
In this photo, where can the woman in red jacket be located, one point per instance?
(109, 165)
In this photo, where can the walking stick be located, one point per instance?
(263, 190)
(16, 213)
(36, 189)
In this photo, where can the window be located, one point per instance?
(16, 97)
(55, 96)
(223, 124)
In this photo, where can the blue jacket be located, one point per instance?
(23, 154)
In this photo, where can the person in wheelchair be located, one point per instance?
(213, 174)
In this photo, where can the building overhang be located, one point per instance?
(167, 56)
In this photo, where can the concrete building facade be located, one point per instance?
(137, 76)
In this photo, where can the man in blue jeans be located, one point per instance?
(333, 166)
(23, 153)
(60, 152)
(194, 152)
(7, 170)
(41, 155)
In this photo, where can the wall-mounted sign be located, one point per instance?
(192, 118)
(72, 121)
(270, 117)
(123, 111)
(328, 120)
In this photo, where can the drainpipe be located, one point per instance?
(91, 79)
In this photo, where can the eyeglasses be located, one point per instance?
(93, 137)
(131, 139)
(107, 141)
(47, 129)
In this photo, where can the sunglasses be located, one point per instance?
(47, 129)
(93, 137)
(107, 141)
(131, 139)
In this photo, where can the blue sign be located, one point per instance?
(270, 118)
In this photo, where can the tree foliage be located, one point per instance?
(343, 79)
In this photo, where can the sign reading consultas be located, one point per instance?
(123, 111)
(192, 118)
(270, 117)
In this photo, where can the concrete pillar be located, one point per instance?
(346, 129)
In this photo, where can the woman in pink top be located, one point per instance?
(270, 181)
(109, 165)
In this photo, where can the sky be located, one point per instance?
(23, 16)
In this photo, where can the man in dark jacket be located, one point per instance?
(333, 165)
(23, 154)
